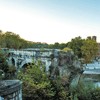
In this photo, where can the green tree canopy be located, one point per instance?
(12, 40)
(89, 50)
(76, 45)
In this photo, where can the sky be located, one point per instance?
(51, 21)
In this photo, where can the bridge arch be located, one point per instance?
(26, 65)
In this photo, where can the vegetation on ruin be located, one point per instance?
(7, 71)
(37, 84)
(83, 48)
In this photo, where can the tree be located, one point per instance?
(66, 49)
(76, 45)
(4, 67)
(12, 40)
(89, 50)
(3, 62)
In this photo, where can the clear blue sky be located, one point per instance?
(51, 20)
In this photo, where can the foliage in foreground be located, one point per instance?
(38, 86)
(86, 91)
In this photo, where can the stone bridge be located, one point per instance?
(21, 58)
(65, 63)
(50, 57)
(57, 62)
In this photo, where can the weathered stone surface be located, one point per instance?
(57, 62)
(10, 89)
(67, 66)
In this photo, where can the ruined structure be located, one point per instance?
(10, 90)
(67, 66)
(57, 62)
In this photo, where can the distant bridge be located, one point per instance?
(21, 58)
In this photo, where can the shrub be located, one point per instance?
(36, 85)
(95, 93)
